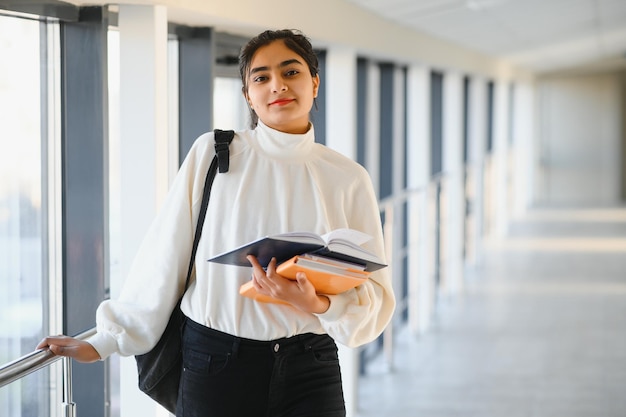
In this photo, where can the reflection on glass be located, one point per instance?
(21, 213)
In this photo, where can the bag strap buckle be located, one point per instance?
(222, 140)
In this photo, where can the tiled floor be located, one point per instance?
(540, 330)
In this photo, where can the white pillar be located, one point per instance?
(372, 111)
(477, 149)
(501, 157)
(453, 168)
(398, 131)
(421, 286)
(394, 221)
(523, 144)
(144, 162)
(340, 79)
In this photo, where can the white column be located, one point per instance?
(418, 170)
(501, 157)
(394, 221)
(523, 144)
(477, 149)
(144, 163)
(454, 208)
(398, 169)
(340, 79)
(398, 131)
(372, 111)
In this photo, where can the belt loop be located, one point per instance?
(236, 347)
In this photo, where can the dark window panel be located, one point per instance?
(196, 71)
(85, 189)
(489, 116)
(386, 129)
(436, 122)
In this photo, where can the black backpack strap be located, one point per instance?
(222, 140)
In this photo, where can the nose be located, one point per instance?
(278, 85)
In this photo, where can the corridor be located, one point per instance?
(539, 330)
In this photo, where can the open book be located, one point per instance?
(327, 275)
(340, 244)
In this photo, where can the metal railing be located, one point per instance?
(39, 359)
(424, 210)
(391, 210)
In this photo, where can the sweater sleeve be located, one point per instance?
(133, 323)
(360, 315)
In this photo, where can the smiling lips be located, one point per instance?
(282, 101)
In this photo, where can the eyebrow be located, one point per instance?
(281, 65)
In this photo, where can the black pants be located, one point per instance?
(227, 376)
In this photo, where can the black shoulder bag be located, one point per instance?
(160, 369)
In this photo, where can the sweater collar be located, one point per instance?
(280, 145)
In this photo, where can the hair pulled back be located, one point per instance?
(293, 39)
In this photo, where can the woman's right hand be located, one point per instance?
(68, 346)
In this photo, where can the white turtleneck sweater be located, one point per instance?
(276, 183)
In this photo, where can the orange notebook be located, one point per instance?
(325, 277)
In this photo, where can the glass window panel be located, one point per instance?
(230, 107)
(22, 240)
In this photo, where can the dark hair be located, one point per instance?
(293, 39)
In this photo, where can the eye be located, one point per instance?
(259, 79)
(292, 72)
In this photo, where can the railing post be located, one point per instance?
(68, 406)
(388, 235)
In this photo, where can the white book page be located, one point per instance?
(354, 236)
(303, 237)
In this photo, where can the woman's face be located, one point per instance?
(281, 88)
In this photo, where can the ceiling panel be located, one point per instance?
(540, 34)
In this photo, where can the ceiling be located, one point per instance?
(541, 35)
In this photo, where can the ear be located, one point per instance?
(246, 97)
(316, 84)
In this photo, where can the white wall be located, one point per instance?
(579, 140)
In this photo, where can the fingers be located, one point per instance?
(253, 261)
(266, 280)
(299, 293)
(61, 350)
(53, 340)
(260, 274)
(59, 345)
(271, 267)
(43, 344)
(301, 279)
(68, 346)
(257, 269)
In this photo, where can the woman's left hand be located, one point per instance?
(300, 293)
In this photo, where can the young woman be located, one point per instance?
(243, 357)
